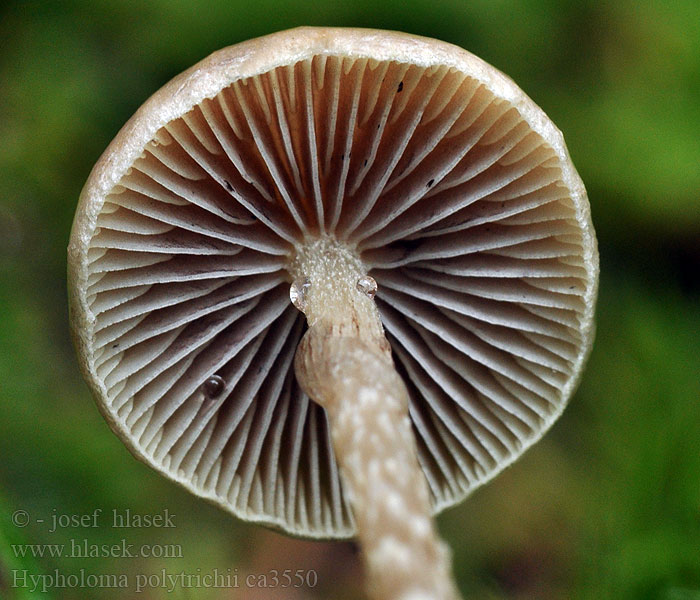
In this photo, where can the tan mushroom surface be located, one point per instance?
(450, 187)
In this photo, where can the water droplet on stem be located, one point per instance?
(367, 285)
(298, 291)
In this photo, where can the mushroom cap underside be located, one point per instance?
(451, 186)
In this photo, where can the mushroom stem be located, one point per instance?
(344, 363)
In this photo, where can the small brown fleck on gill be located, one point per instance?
(213, 386)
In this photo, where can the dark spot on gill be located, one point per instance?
(228, 185)
(404, 248)
(431, 182)
(400, 88)
(213, 386)
(365, 163)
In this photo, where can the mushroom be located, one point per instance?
(333, 280)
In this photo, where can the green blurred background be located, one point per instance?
(606, 506)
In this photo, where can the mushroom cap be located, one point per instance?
(449, 183)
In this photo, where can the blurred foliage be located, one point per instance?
(606, 506)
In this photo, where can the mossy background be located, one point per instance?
(606, 506)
